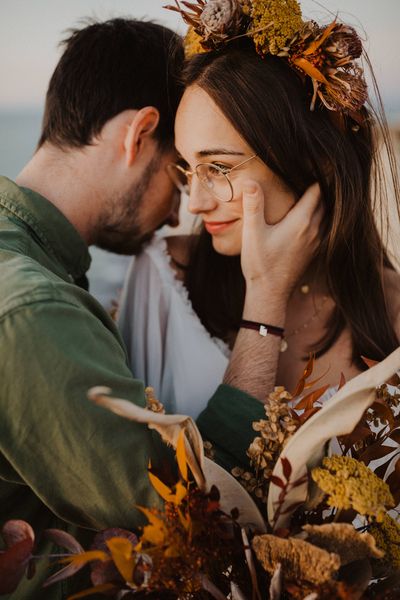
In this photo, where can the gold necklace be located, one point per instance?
(284, 343)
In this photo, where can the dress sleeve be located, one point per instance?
(168, 346)
(143, 321)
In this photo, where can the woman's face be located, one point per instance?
(204, 134)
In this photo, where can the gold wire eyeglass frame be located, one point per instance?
(185, 187)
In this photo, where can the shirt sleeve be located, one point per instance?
(86, 464)
(227, 422)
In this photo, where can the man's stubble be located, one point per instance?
(119, 227)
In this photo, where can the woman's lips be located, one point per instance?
(218, 226)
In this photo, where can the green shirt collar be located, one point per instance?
(55, 232)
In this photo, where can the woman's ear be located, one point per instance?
(142, 126)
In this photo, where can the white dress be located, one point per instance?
(168, 347)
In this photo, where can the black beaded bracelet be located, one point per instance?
(262, 328)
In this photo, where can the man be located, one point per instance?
(98, 177)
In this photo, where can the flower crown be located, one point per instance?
(325, 54)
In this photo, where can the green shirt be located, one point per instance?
(65, 462)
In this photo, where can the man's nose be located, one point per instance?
(200, 200)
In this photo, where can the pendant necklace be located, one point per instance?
(304, 290)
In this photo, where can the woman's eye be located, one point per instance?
(216, 169)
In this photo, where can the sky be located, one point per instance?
(31, 29)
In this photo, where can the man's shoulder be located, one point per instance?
(24, 282)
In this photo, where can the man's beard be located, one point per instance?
(118, 227)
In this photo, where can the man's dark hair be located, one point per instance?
(107, 68)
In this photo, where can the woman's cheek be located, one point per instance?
(277, 204)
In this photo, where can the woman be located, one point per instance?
(245, 119)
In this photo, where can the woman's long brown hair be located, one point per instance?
(268, 104)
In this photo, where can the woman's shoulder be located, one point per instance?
(391, 279)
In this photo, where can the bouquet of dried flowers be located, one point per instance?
(326, 479)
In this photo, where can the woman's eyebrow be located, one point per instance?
(219, 151)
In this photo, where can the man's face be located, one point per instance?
(130, 219)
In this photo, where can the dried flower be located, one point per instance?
(152, 403)
(193, 43)
(301, 561)
(275, 431)
(344, 540)
(209, 451)
(220, 19)
(350, 484)
(387, 536)
(326, 55)
(214, 22)
(275, 23)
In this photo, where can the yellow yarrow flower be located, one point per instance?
(192, 43)
(348, 483)
(387, 537)
(279, 21)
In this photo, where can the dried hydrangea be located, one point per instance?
(348, 483)
(276, 22)
(387, 536)
(274, 433)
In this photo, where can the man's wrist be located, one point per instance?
(265, 305)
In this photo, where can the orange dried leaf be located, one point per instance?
(308, 401)
(313, 47)
(156, 532)
(374, 452)
(122, 553)
(163, 490)
(369, 361)
(307, 414)
(180, 494)
(181, 455)
(310, 70)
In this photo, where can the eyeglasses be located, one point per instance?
(213, 178)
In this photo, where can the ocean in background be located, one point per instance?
(19, 134)
(20, 130)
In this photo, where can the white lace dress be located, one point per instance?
(168, 347)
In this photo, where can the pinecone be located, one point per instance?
(221, 19)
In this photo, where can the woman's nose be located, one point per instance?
(200, 200)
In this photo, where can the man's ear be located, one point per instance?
(142, 126)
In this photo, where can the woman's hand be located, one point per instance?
(274, 256)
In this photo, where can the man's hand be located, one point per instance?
(273, 259)
(275, 256)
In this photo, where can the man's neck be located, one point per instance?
(57, 176)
